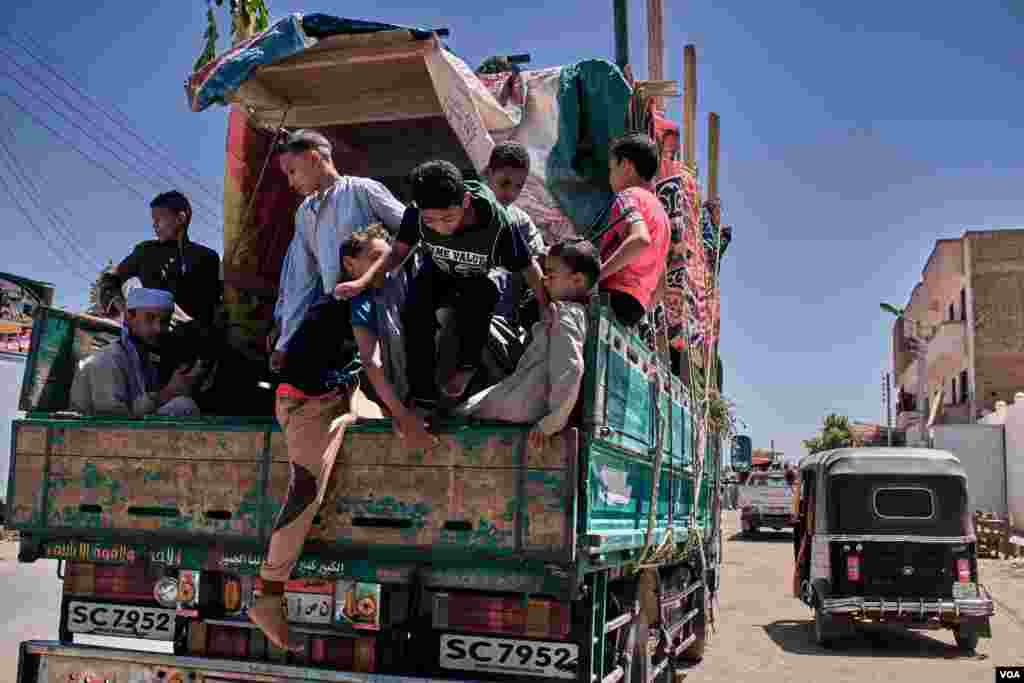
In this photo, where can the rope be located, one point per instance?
(266, 163)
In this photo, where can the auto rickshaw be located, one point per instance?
(886, 537)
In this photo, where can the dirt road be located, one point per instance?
(763, 634)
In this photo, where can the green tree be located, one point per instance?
(248, 17)
(835, 433)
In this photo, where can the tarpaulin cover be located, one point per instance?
(217, 81)
(566, 117)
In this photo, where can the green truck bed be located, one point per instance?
(482, 510)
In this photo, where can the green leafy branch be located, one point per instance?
(248, 17)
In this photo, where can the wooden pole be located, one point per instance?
(621, 33)
(714, 129)
(690, 106)
(655, 44)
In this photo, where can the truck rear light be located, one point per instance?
(536, 618)
(853, 568)
(963, 570)
(232, 594)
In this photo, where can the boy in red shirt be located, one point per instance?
(634, 252)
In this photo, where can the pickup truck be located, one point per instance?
(595, 559)
(766, 500)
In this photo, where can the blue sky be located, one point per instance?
(853, 136)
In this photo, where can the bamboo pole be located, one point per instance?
(621, 33)
(656, 45)
(714, 130)
(690, 106)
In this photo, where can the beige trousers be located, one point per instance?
(312, 450)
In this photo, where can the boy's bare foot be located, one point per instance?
(457, 385)
(269, 615)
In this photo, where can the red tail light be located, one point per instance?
(853, 568)
(963, 570)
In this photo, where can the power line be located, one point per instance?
(39, 231)
(34, 193)
(91, 120)
(157, 184)
(74, 146)
(192, 175)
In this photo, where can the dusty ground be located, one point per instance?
(763, 634)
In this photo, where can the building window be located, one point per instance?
(963, 304)
(952, 312)
(964, 394)
(953, 394)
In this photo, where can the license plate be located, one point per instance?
(309, 608)
(507, 656)
(962, 591)
(153, 623)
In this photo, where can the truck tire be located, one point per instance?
(966, 639)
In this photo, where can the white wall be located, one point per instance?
(11, 369)
(981, 452)
(1012, 418)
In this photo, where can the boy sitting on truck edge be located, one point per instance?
(468, 235)
(634, 252)
(172, 262)
(546, 383)
(358, 255)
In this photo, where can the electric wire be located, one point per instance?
(97, 125)
(91, 136)
(39, 231)
(92, 160)
(193, 175)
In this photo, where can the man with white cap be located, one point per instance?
(121, 379)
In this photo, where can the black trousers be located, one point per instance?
(473, 299)
(628, 310)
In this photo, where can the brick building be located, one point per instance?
(959, 346)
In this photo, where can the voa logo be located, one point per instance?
(1010, 673)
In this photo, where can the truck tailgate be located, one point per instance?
(482, 490)
(50, 662)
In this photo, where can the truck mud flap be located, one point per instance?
(50, 662)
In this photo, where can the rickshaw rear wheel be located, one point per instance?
(966, 639)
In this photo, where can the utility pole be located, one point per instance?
(690, 106)
(621, 33)
(655, 44)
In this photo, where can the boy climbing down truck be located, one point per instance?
(468, 235)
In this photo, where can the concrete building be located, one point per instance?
(959, 346)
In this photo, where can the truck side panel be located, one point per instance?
(481, 490)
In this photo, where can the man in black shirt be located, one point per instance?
(171, 262)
